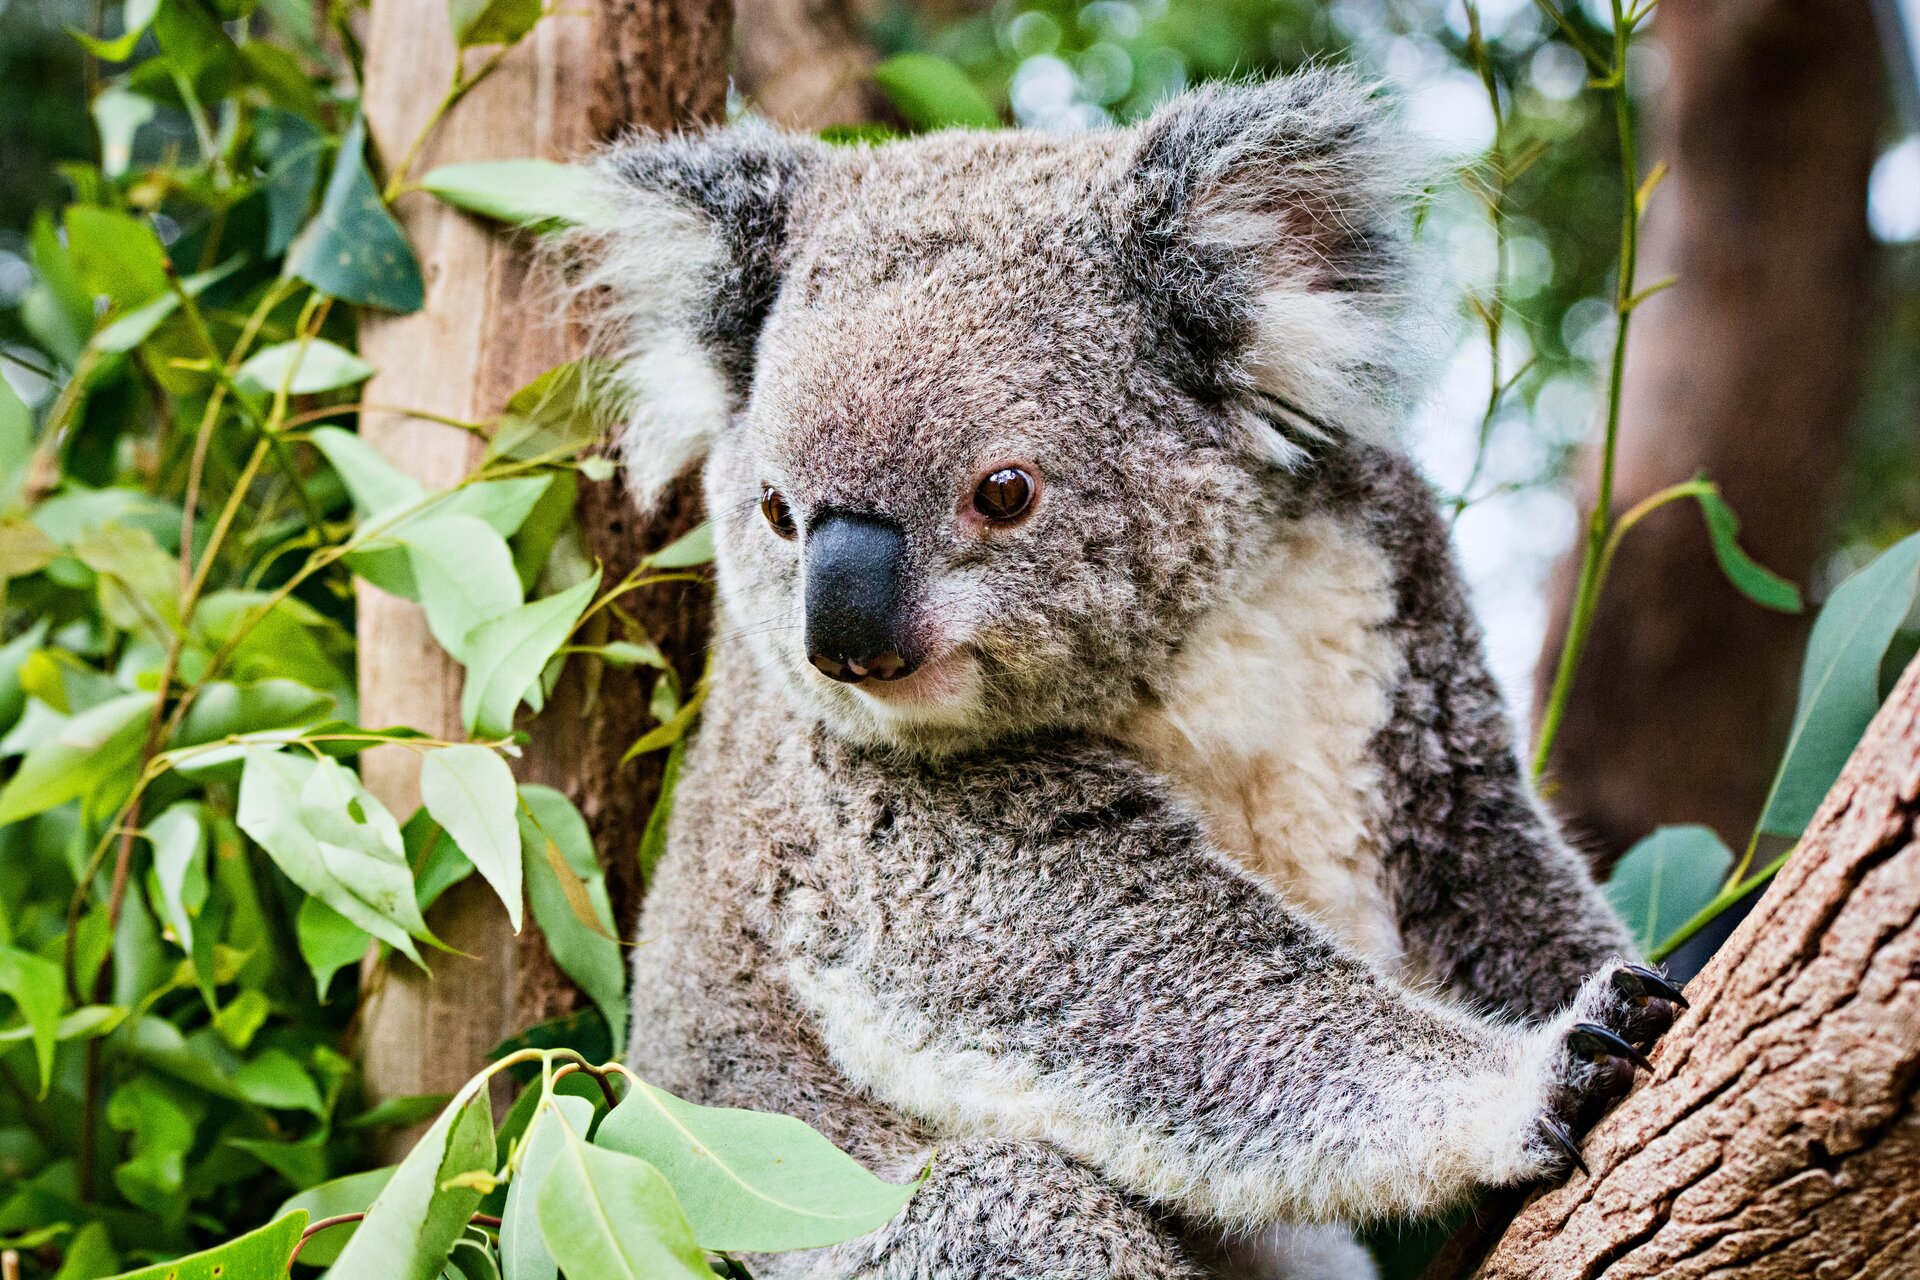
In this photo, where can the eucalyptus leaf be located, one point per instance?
(751, 1181)
(1666, 879)
(135, 17)
(117, 255)
(568, 892)
(375, 484)
(119, 114)
(491, 21)
(469, 791)
(137, 325)
(523, 1252)
(1754, 581)
(505, 656)
(932, 93)
(353, 249)
(465, 575)
(87, 752)
(334, 840)
(1840, 683)
(354, 1193)
(522, 192)
(695, 547)
(262, 1254)
(412, 1225)
(179, 839)
(304, 368)
(613, 1217)
(38, 988)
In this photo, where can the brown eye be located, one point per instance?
(1004, 494)
(778, 513)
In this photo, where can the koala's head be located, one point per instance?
(990, 419)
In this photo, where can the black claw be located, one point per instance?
(1638, 981)
(1557, 1134)
(1592, 1041)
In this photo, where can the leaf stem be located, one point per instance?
(1600, 521)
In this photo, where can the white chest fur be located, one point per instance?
(1267, 721)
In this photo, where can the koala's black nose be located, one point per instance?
(856, 567)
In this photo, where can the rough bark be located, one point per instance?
(489, 327)
(805, 63)
(1745, 371)
(1777, 1137)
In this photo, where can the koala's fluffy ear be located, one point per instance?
(683, 263)
(1267, 228)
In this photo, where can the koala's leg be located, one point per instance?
(1004, 1211)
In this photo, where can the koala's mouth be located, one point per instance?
(941, 680)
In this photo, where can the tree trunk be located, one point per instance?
(1745, 371)
(805, 64)
(1777, 1137)
(487, 329)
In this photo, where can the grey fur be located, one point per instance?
(985, 925)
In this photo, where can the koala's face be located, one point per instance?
(990, 419)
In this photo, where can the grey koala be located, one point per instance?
(1100, 786)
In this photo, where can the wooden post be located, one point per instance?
(488, 328)
(1777, 1137)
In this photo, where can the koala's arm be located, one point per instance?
(1490, 900)
(1045, 949)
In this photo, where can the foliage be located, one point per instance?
(195, 869)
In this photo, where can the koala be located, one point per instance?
(1100, 785)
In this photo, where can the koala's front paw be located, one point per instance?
(1619, 1013)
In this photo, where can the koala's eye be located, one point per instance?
(1004, 495)
(778, 513)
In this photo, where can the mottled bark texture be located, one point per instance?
(1745, 371)
(490, 325)
(805, 63)
(1777, 1137)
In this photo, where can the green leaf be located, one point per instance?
(1665, 879)
(522, 192)
(263, 1254)
(613, 1217)
(135, 17)
(324, 366)
(227, 709)
(932, 93)
(413, 1223)
(16, 442)
(523, 1252)
(374, 484)
(1754, 581)
(751, 1181)
(139, 581)
(90, 1256)
(465, 575)
(353, 249)
(289, 147)
(402, 1112)
(354, 1193)
(274, 1078)
(695, 547)
(88, 751)
(653, 842)
(491, 21)
(39, 988)
(137, 325)
(117, 255)
(1840, 683)
(334, 840)
(469, 791)
(179, 839)
(568, 892)
(505, 656)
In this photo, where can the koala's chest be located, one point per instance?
(1268, 721)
